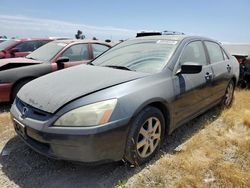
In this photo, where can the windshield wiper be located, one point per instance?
(30, 58)
(90, 63)
(119, 67)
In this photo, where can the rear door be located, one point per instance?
(221, 67)
(98, 49)
(194, 89)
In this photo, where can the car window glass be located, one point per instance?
(225, 55)
(77, 52)
(148, 55)
(28, 46)
(47, 52)
(98, 49)
(7, 44)
(42, 42)
(214, 52)
(194, 52)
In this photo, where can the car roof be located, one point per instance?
(29, 39)
(163, 37)
(76, 41)
(173, 37)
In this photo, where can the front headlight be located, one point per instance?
(89, 115)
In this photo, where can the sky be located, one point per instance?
(223, 20)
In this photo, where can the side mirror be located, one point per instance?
(62, 60)
(190, 68)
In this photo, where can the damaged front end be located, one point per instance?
(14, 65)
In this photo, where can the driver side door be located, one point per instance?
(193, 90)
(77, 54)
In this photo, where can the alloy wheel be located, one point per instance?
(149, 137)
(229, 94)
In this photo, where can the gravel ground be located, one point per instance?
(22, 167)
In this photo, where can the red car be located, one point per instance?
(56, 55)
(20, 47)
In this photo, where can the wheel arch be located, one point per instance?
(234, 80)
(28, 78)
(160, 104)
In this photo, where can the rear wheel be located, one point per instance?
(229, 95)
(145, 137)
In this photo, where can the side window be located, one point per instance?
(28, 46)
(99, 49)
(214, 52)
(194, 52)
(77, 52)
(225, 55)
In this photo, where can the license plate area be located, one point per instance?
(20, 128)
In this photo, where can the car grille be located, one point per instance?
(28, 111)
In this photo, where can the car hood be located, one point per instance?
(16, 62)
(50, 92)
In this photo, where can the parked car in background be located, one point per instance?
(2, 40)
(242, 53)
(56, 55)
(20, 47)
(125, 102)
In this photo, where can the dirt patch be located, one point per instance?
(22, 167)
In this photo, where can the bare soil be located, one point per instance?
(22, 167)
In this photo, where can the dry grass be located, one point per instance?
(6, 128)
(4, 121)
(216, 156)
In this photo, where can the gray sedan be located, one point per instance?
(123, 104)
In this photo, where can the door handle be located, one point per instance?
(208, 76)
(229, 68)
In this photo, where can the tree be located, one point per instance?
(79, 35)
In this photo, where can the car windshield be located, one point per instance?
(149, 56)
(6, 44)
(47, 51)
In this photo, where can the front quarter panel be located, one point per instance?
(132, 96)
(33, 71)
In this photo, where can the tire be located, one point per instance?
(143, 143)
(17, 87)
(229, 95)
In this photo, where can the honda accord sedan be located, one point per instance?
(124, 103)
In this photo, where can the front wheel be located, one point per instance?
(229, 95)
(145, 136)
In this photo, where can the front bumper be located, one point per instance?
(93, 144)
(5, 91)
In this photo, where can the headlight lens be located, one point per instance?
(89, 115)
